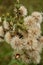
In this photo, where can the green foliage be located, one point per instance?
(5, 53)
(16, 62)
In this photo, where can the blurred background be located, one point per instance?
(32, 5)
(7, 6)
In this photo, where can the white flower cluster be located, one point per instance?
(30, 46)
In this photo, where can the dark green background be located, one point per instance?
(32, 5)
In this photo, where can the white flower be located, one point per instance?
(34, 31)
(23, 10)
(6, 25)
(36, 57)
(16, 43)
(8, 37)
(25, 58)
(18, 1)
(38, 25)
(34, 44)
(39, 47)
(1, 31)
(29, 21)
(31, 43)
(41, 41)
(26, 43)
(37, 16)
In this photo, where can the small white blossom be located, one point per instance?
(36, 57)
(18, 1)
(34, 31)
(37, 16)
(29, 21)
(39, 47)
(26, 58)
(23, 10)
(6, 25)
(16, 43)
(8, 37)
(1, 31)
(41, 41)
(30, 43)
(38, 25)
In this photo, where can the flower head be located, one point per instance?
(29, 21)
(6, 25)
(8, 37)
(36, 57)
(37, 16)
(23, 10)
(1, 31)
(34, 31)
(16, 43)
